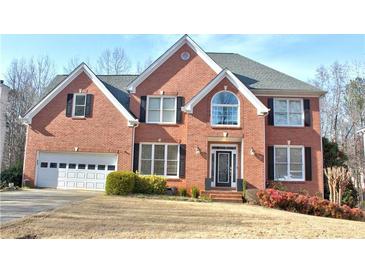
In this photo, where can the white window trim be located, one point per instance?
(238, 111)
(161, 110)
(287, 111)
(74, 105)
(165, 159)
(289, 179)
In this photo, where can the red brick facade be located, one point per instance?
(107, 130)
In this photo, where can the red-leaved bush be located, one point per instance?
(311, 205)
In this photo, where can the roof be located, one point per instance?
(258, 76)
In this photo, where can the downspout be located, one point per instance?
(264, 120)
(133, 137)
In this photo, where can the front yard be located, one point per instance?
(132, 217)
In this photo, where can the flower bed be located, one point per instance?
(311, 205)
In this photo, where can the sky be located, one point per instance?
(296, 55)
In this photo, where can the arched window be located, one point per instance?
(225, 109)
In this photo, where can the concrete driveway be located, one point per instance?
(18, 204)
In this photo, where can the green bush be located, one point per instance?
(120, 183)
(150, 184)
(350, 196)
(182, 192)
(195, 192)
(12, 175)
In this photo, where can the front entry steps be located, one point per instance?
(222, 194)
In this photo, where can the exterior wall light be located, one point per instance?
(252, 151)
(197, 150)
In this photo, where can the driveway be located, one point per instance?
(18, 204)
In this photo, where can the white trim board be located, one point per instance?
(261, 108)
(162, 59)
(81, 68)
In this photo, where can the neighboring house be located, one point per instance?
(4, 92)
(199, 119)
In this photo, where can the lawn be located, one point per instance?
(133, 217)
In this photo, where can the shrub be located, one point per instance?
(142, 185)
(195, 192)
(312, 205)
(120, 183)
(350, 195)
(12, 175)
(182, 192)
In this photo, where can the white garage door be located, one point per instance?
(74, 170)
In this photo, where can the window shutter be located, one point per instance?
(135, 157)
(307, 112)
(182, 161)
(142, 109)
(179, 104)
(308, 164)
(270, 162)
(271, 112)
(89, 102)
(69, 101)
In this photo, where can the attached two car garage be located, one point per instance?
(74, 170)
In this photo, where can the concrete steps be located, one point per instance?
(226, 196)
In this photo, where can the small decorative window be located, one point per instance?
(224, 109)
(82, 166)
(44, 164)
(62, 165)
(91, 167)
(71, 166)
(161, 110)
(79, 105)
(101, 167)
(288, 112)
(111, 167)
(185, 56)
(53, 165)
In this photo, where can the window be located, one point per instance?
(289, 163)
(101, 167)
(161, 109)
(225, 109)
(79, 105)
(71, 166)
(91, 167)
(44, 164)
(82, 166)
(159, 159)
(111, 167)
(62, 165)
(53, 165)
(288, 112)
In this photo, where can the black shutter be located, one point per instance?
(270, 102)
(179, 104)
(307, 112)
(69, 102)
(308, 164)
(135, 157)
(182, 161)
(142, 109)
(89, 103)
(270, 162)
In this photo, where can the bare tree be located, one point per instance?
(27, 80)
(141, 67)
(74, 62)
(113, 62)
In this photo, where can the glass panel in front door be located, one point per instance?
(223, 167)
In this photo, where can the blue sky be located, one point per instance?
(296, 55)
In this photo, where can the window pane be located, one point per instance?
(146, 152)
(79, 110)
(71, 166)
(111, 167)
(81, 166)
(101, 167)
(295, 119)
(153, 116)
(172, 152)
(281, 155)
(53, 165)
(171, 168)
(168, 103)
(91, 167)
(280, 118)
(168, 116)
(281, 171)
(296, 155)
(80, 99)
(296, 167)
(295, 106)
(146, 166)
(225, 98)
(296, 175)
(280, 105)
(159, 152)
(154, 103)
(224, 115)
(158, 167)
(44, 164)
(62, 165)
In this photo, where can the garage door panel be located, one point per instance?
(74, 170)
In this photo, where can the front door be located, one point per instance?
(223, 172)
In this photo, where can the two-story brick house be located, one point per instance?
(199, 119)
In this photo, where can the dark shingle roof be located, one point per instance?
(258, 76)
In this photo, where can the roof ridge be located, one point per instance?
(104, 74)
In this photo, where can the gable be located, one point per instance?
(185, 40)
(226, 74)
(69, 79)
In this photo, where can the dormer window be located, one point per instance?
(225, 109)
(79, 105)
